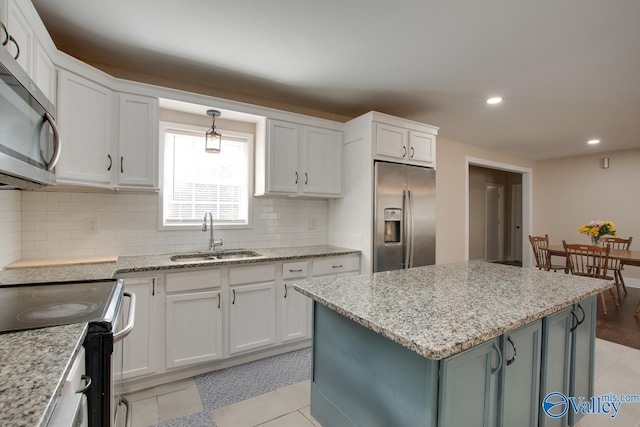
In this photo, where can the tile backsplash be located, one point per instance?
(10, 206)
(57, 224)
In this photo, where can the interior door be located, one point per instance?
(516, 222)
(494, 223)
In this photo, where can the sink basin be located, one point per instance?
(215, 256)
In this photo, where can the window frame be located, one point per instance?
(180, 127)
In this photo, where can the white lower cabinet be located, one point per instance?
(295, 308)
(252, 319)
(193, 318)
(139, 346)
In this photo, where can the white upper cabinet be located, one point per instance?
(137, 141)
(397, 143)
(299, 160)
(27, 38)
(85, 120)
(110, 139)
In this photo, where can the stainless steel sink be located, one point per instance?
(215, 256)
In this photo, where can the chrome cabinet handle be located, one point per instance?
(306, 178)
(412, 152)
(336, 266)
(513, 359)
(285, 290)
(121, 164)
(234, 296)
(132, 318)
(57, 142)
(15, 43)
(86, 378)
(497, 349)
(110, 162)
(296, 177)
(404, 153)
(6, 34)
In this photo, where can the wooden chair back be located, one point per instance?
(587, 260)
(616, 243)
(538, 243)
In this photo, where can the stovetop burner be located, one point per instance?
(42, 305)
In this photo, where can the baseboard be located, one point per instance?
(631, 282)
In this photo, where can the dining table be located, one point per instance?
(625, 257)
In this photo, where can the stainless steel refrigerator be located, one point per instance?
(404, 217)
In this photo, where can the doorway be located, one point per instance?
(496, 219)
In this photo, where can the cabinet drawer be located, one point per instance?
(253, 274)
(335, 265)
(193, 280)
(294, 270)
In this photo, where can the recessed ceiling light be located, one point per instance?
(593, 141)
(494, 100)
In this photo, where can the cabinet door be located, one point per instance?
(44, 72)
(295, 314)
(556, 359)
(521, 387)
(321, 161)
(19, 28)
(392, 141)
(422, 148)
(193, 328)
(583, 354)
(140, 345)
(283, 175)
(253, 317)
(137, 141)
(84, 117)
(468, 392)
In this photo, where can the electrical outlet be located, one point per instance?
(311, 225)
(91, 226)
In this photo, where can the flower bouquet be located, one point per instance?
(597, 229)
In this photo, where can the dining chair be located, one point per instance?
(614, 264)
(590, 261)
(542, 257)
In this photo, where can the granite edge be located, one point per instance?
(450, 350)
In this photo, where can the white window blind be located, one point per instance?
(196, 182)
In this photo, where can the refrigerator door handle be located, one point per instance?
(410, 227)
(405, 229)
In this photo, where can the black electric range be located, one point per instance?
(52, 304)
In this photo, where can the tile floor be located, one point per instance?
(617, 372)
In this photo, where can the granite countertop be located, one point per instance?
(34, 365)
(441, 310)
(156, 262)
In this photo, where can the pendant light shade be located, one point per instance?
(213, 138)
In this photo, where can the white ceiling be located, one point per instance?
(568, 70)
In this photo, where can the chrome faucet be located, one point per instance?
(212, 242)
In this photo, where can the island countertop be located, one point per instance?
(441, 310)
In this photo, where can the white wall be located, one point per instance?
(53, 225)
(10, 226)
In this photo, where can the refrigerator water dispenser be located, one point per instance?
(392, 225)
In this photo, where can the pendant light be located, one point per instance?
(213, 138)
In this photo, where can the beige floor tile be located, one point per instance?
(306, 411)
(179, 403)
(607, 355)
(144, 412)
(629, 362)
(297, 395)
(253, 411)
(293, 419)
(162, 389)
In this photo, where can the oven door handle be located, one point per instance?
(132, 318)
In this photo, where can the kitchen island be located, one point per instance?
(436, 345)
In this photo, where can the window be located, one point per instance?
(194, 182)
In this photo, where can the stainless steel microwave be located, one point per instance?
(29, 138)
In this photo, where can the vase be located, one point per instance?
(595, 240)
